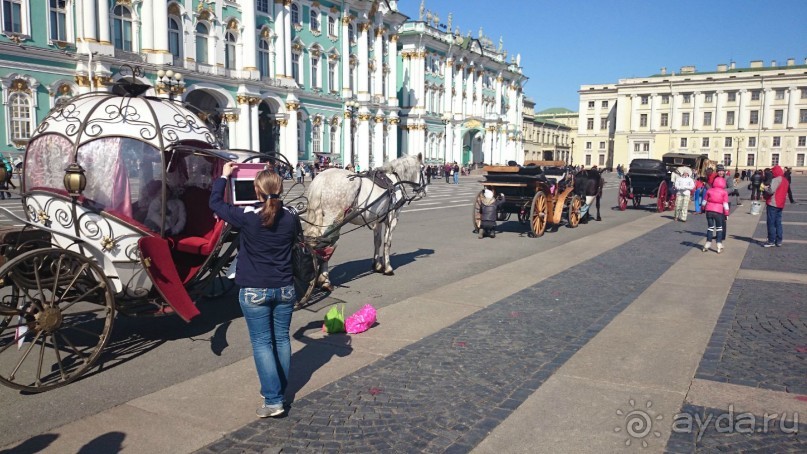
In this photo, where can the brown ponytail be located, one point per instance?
(268, 187)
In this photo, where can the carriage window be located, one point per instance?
(47, 157)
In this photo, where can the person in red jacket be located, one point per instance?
(775, 195)
(716, 204)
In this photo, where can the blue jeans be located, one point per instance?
(456, 178)
(774, 219)
(267, 312)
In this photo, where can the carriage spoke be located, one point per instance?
(38, 280)
(25, 355)
(81, 330)
(41, 359)
(72, 347)
(58, 357)
(90, 311)
(56, 278)
(72, 282)
(81, 297)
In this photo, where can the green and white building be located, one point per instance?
(348, 80)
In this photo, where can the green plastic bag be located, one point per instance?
(334, 320)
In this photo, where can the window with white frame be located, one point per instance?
(665, 120)
(802, 141)
(590, 124)
(665, 99)
(201, 42)
(750, 159)
(314, 23)
(316, 139)
(315, 75)
(295, 14)
(300, 135)
(643, 120)
(780, 94)
(14, 12)
(774, 159)
(755, 95)
(604, 123)
(334, 139)
(683, 142)
(752, 142)
(687, 98)
(685, 119)
(122, 28)
(332, 26)
(588, 159)
(802, 115)
(591, 104)
(601, 160)
(19, 109)
(295, 67)
(604, 104)
(58, 20)
(229, 50)
(732, 96)
(602, 145)
(174, 37)
(263, 6)
(332, 76)
(705, 142)
(263, 57)
(778, 116)
(800, 160)
(777, 141)
(726, 159)
(707, 119)
(588, 144)
(727, 142)
(730, 118)
(708, 97)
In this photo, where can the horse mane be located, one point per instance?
(406, 167)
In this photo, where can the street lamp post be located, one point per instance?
(446, 117)
(170, 82)
(351, 107)
(570, 161)
(737, 155)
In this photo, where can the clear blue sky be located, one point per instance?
(568, 43)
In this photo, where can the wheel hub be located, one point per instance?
(49, 320)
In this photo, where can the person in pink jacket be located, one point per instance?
(716, 205)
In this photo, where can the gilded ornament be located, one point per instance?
(107, 243)
(82, 81)
(394, 121)
(242, 99)
(379, 119)
(292, 105)
(231, 117)
(364, 26)
(20, 85)
(364, 117)
(347, 114)
(346, 20)
(393, 38)
(282, 122)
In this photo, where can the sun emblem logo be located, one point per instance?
(638, 423)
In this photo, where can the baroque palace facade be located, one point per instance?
(752, 117)
(544, 139)
(355, 81)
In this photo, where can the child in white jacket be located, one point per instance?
(684, 185)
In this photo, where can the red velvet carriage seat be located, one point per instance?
(202, 228)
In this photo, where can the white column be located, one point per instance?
(792, 111)
(90, 11)
(255, 139)
(363, 139)
(448, 83)
(742, 111)
(392, 79)
(378, 139)
(766, 109)
(347, 139)
(720, 102)
(378, 56)
(478, 94)
(654, 122)
(280, 41)
(242, 127)
(362, 89)
(418, 69)
(499, 80)
(291, 130)
(634, 112)
(249, 37)
(448, 152)
(286, 49)
(392, 132)
(487, 147)
(160, 24)
(345, 62)
(469, 91)
(147, 29)
(458, 89)
(103, 22)
(696, 121)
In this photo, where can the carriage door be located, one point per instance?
(155, 255)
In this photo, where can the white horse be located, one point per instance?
(337, 195)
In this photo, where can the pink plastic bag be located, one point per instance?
(361, 321)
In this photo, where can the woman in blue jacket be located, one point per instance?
(264, 273)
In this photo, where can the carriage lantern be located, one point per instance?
(74, 179)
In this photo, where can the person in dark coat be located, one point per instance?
(789, 185)
(488, 209)
(756, 181)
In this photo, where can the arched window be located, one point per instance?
(122, 28)
(331, 26)
(20, 116)
(229, 50)
(314, 20)
(295, 14)
(174, 37)
(300, 136)
(201, 43)
(295, 67)
(316, 139)
(263, 57)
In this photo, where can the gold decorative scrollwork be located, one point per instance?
(394, 121)
(364, 26)
(242, 99)
(231, 117)
(20, 85)
(364, 117)
(282, 122)
(393, 38)
(82, 81)
(346, 20)
(379, 119)
(316, 121)
(292, 105)
(347, 114)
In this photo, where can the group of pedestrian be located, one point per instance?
(7, 180)
(452, 172)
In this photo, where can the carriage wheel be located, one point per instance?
(538, 214)
(61, 308)
(623, 195)
(637, 201)
(573, 211)
(304, 289)
(661, 201)
(216, 282)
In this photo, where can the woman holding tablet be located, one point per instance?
(264, 273)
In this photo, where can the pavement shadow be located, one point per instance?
(32, 445)
(108, 442)
(356, 269)
(315, 354)
(747, 239)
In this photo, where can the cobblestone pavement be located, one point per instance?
(760, 341)
(737, 433)
(446, 392)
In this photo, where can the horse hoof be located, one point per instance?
(328, 287)
(599, 218)
(389, 273)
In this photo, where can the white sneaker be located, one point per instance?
(707, 246)
(719, 248)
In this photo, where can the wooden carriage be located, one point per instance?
(540, 193)
(647, 178)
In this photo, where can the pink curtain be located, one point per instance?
(45, 161)
(107, 179)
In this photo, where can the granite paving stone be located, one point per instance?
(448, 391)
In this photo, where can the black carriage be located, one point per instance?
(647, 178)
(539, 193)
